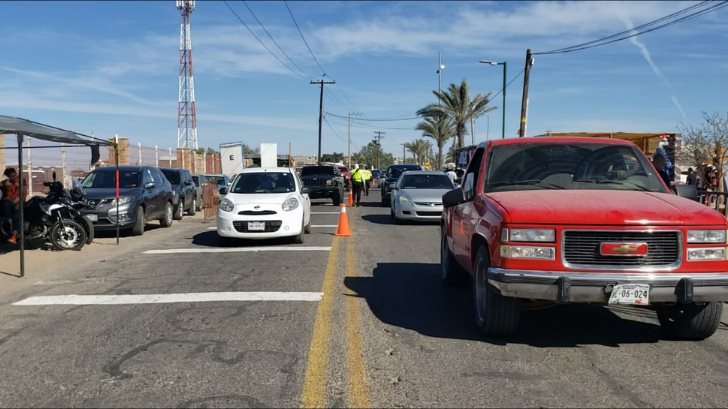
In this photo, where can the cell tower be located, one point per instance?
(186, 116)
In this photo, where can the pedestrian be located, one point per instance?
(367, 179)
(692, 178)
(659, 163)
(450, 172)
(357, 183)
(10, 203)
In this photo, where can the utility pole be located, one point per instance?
(379, 141)
(321, 113)
(349, 138)
(524, 99)
(404, 145)
(440, 67)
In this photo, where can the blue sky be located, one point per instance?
(111, 67)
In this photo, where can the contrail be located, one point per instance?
(646, 54)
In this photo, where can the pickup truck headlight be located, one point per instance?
(226, 205)
(331, 182)
(529, 235)
(290, 204)
(706, 236)
(707, 254)
(528, 252)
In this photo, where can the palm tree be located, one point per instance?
(440, 128)
(455, 102)
(419, 148)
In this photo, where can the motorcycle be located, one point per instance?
(56, 218)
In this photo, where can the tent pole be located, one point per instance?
(22, 204)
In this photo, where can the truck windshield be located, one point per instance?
(318, 170)
(569, 166)
(264, 182)
(106, 179)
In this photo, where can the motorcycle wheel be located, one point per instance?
(69, 235)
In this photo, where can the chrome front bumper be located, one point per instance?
(595, 287)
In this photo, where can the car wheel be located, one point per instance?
(166, 220)
(141, 222)
(307, 229)
(690, 321)
(298, 239)
(495, 314)
(193, 208)
(179, 211)
(337, 200)
(396, 219)
(451, 272)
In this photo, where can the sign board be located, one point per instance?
(231, 158)
(268, 155)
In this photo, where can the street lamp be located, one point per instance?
(493, 63)
(440, 67)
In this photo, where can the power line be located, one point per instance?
(333, 130)
(273, 40)
(508, 84)
(377, 120)
(642, 29)
(262, 43)
(304, 38)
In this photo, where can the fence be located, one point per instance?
(211, 199)
(74, 162)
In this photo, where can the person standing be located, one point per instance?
(367, 179)
(357, 183)
(450, 172)
(11, 201)
(692, 178)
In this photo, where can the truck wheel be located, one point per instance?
(193, 208)
(495, 314)
(141, 221)
(337, 200)
(180, 210)
(690, 321)
(452, 273)
(166, 220)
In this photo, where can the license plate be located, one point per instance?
(256, 226)
(92, 217)
(631, 294)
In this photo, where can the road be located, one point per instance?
(360, 321)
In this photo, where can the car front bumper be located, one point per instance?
(105, 218)
(321, 192)
(419, 213)
(593, 287)
(283, 224)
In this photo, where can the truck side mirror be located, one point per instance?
(453, 198)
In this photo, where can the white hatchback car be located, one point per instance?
(265, 203)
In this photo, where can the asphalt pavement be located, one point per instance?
(339, 322)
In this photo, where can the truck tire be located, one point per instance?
(452, 273)
(495, 314)
(690, 321)
(337, 200)
(193, 208)
(179, 212)
(168, 217)
(141, 222)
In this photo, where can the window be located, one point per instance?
(264, 182)
(426, 182)
(106, 179)
(172, 176)
(147, 177)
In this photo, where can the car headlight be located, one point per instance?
(330, 182)
(528, 252)
(290, 204)
(404, 200)
(707, 254)
(706, 236)
(529, 235)
(122, 201)
(226, 205)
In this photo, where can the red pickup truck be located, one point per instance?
(582, 220)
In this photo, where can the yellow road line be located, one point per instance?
(314, 383)
(358, 393)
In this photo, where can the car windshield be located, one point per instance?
(196, 179)
(106, 179)
(171, 175)
(426, 182)
(318, 170)
(264, 182)
(394, 173)
(221, 181)
(569, 166)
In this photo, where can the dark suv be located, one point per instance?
(323, 182)
(145, 194)
(391, 176)
(185, 198)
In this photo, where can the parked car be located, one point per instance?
(582, 220)
(202, 180)
(145, 194)
(391, 176)
(324, 182)
(265, 203)
(184, 189)
(199, 181)
(417, 195)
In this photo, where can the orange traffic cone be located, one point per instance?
(343, 229)
(351, 196)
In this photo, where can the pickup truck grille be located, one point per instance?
(315, 182)
(270, 226)
(582, 249)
